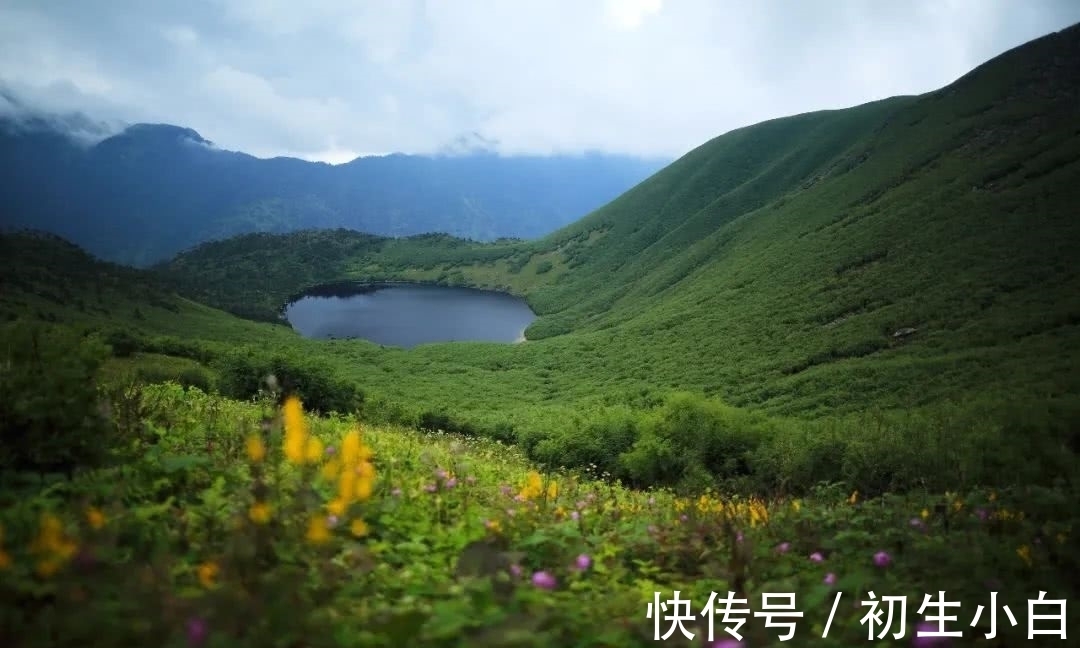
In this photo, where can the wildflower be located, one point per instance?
(313, 451)
(450, 483)
(817, 557)
(534, 486)
(882, 559)
(318, 531)
(196, 631)
(854, 497)
(95, 518)
(583, 562)
(515, 570)
(51, 545)
(543, 580)
(575, 516)
(1024, 552)
(553, 490)
(208, 573)
(256, 449)
(917, 523)
(830, 579)
(992, 497)
(505, 490)
(981, 514)
(330, 470)
(470, 480)
(727, 643)
(259, 513)
(396, 492)
(358, 528)
(431, 488)
(296, 431)
(783, 547)
(332, 521)
(441, 473)
(330, 450)
(924, 514)
(958, 504)
(796, 506)
(337, 506)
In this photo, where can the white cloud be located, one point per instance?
(322, 79)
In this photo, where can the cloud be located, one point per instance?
(326, 78)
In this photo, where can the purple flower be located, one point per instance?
(817, 557)
(515, 570)
(330, 450)
(450, 483)
(727, 643)
(982, 514)
(431, 488)
(783, 547)
(583, 562)
(830, 579)
(196, 631)
(575, 516)
(543, 580)
(927, 641)
(917, 523)
(882, 559)
(684, 517)
(738, 537)
(440, 473)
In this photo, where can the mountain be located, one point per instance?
(892, 255)
(153, 190)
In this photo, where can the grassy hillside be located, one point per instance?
(787, 254)
(220, 534)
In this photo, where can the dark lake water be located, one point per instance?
(410, 314)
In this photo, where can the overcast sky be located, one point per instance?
(333, 79)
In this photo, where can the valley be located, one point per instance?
(840, 335)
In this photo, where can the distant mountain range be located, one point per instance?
(153, 190)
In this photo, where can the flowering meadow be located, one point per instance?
(259, 524)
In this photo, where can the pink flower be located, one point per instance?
(431, 488)
(575, 516)
(830, 578)
(330, 450)
(882, 559)
(783, 547)
(583, 562)
(440, 473)
(817, 557)
(515, 570)
(543, 580)
(450, 483)
(196, 631)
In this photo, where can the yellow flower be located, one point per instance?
(5, 560)
(364, 487)
(350, 448)
(534, 486)
(1024, 552)
(208, 573)
(95, 518)
(854, 497)
(52, 544)
(256, 449)
(958, 504)
(358, 528)
(296, 431)
(337, 507)
(925, 513)
(259, 513)
(347, 485)
(366, 470)
(493, 526)
(314, 450)
(331, 469)
(318, 530)
(993, 496)
(47, 567)
(796, 505)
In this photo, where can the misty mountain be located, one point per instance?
(152, 190)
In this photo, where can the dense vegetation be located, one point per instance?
(834, 352)
(151, 191)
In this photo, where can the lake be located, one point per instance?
(406, 315)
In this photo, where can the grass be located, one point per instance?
(461, 542)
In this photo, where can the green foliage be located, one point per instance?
(242, 372)
(50, 417)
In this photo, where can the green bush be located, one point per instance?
(242, 373)
(50, 420)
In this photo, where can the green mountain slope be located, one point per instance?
(783, 265)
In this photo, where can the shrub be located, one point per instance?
(50, 418)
